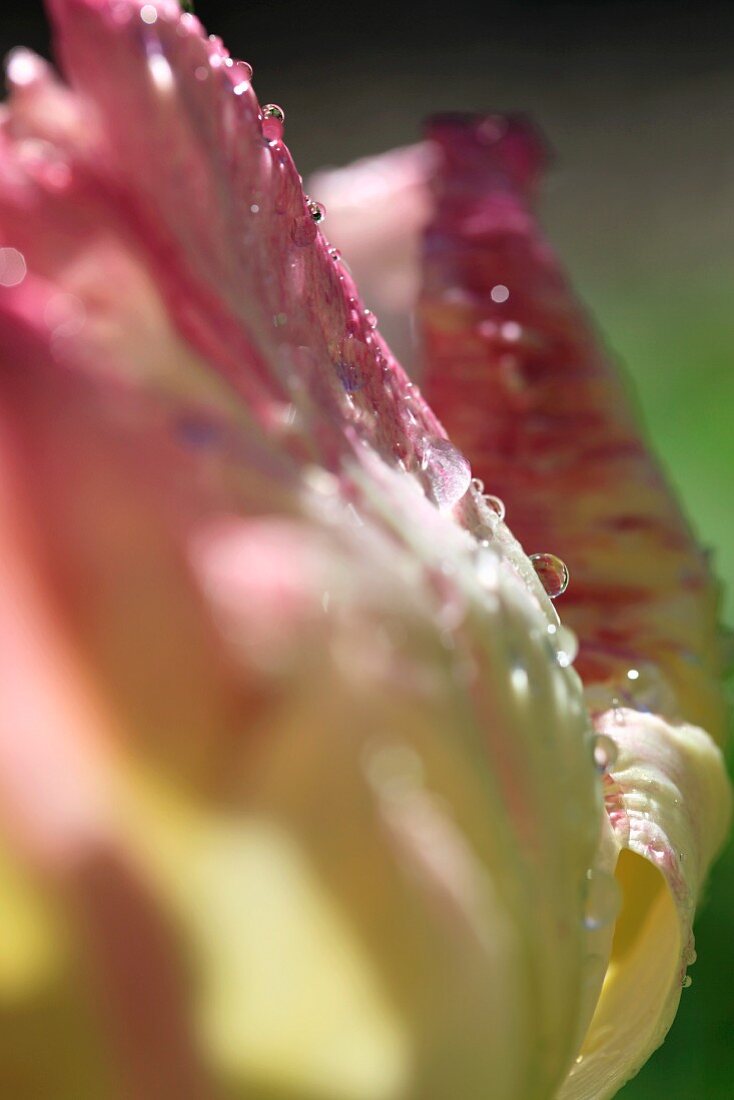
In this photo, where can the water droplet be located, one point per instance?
(447, 471)
(601, 899)
(687, 981)
(618, 713)
(499, 293)
(241, 77)
(335, 254)
(316, 210)
(478, 485)
(566, 645)
(273, 121)
(280, 319)
(370, 318)
(495, 504)
(552, 573)
(148, 14)
(12, 267)
(605, 752)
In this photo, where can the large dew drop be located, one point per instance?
(447, 471)
(552, 573)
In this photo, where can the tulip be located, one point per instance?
(301, 795)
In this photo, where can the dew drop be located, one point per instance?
(335, 254)
(566, 645)
(478, 485)
(601, 899)
(273, 121)
(370, 318)
(316, 210)
(496, 505)
(447, 471)
(552, 573)
(605, 752)
(687, 981)
(618, 713)
(241, 77)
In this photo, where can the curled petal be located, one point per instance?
(669, 799)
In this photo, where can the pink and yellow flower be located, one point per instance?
(301, 794)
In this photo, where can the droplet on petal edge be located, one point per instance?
(273, 121)
(495, 504)
(447, 472)
(565, 644)
(316, 210)
(552, 573)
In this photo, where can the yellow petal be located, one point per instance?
(670, 800)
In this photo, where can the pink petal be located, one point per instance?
(256, 538)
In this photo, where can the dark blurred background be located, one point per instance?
(638, 101)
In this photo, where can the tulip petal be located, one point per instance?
(313, 736)
(555, 436)
(669, 795)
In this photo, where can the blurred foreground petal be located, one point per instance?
(281, 804)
